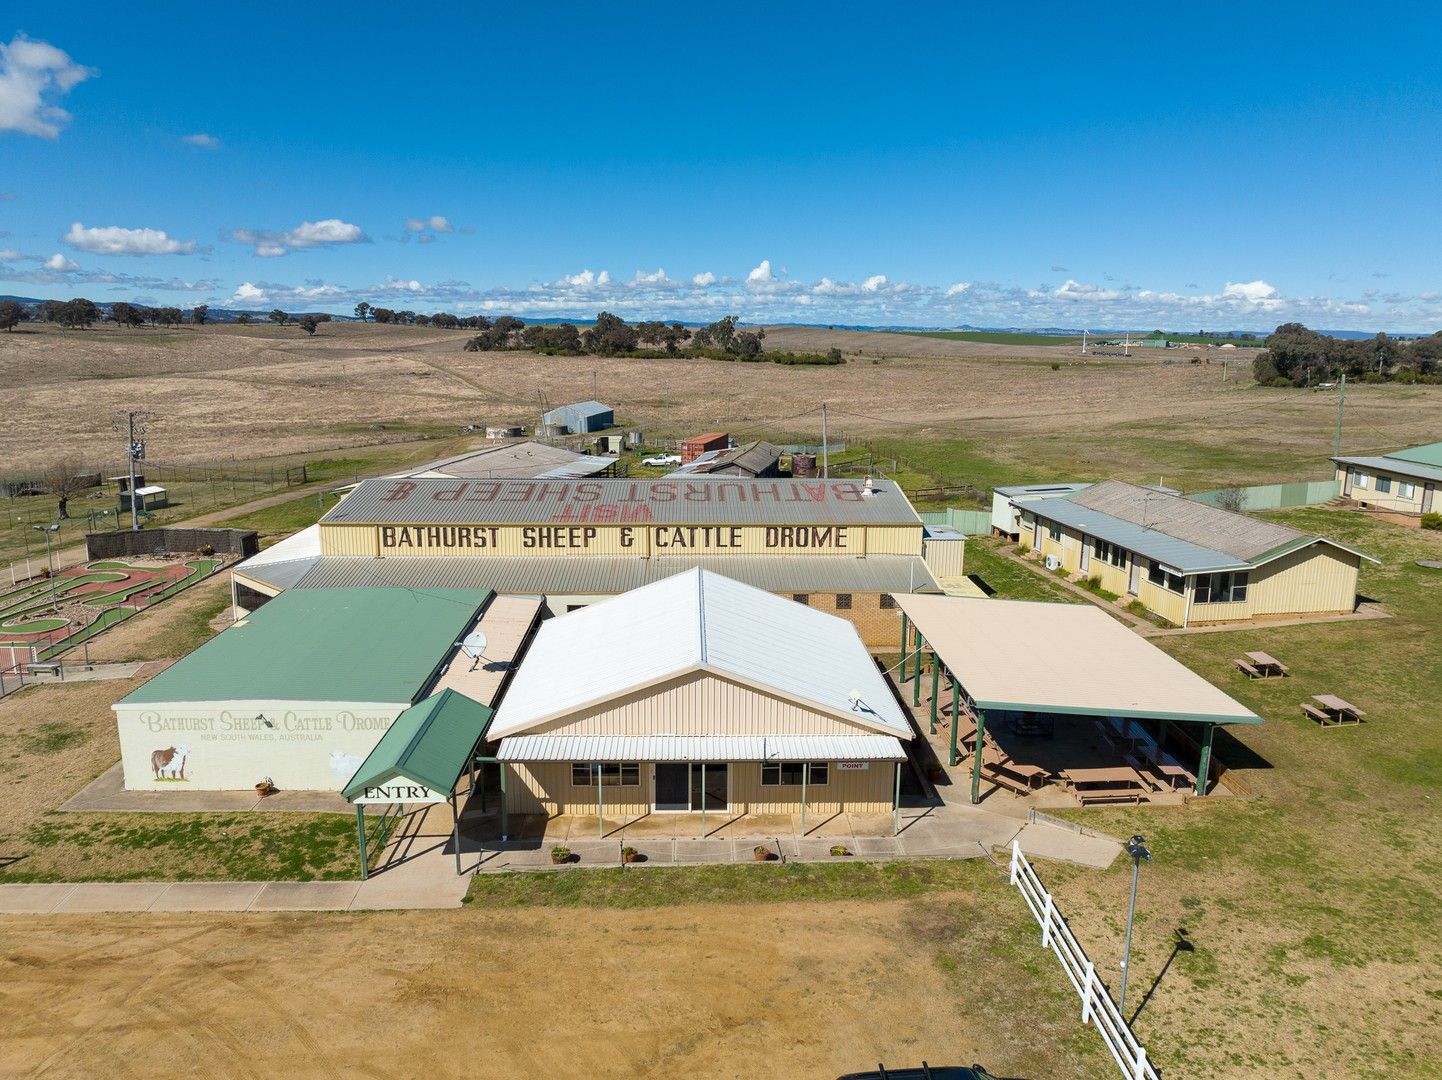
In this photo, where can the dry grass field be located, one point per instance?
(247, 393)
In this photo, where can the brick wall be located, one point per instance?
(879, 627)
(109, 545)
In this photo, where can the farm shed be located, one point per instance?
(1189, 562)
(1009, 660)
(833, 545)
(1403, 482)
(757, 458)
(298, 692)
(698, 692)
(697, 445)
(581, 417)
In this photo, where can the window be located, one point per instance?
(788, 773)
(1359, 480)
(802, 598)
(888, 602)
(1406, 489)
(843, 601)
(1053, 532)
(613, 774)
(1221, 588)
(1108, 552)
(1167, 580)
(1384, 485)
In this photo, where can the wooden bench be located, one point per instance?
(1247, 669)
(1326, 719)
(1001, 776)
(1086, 796)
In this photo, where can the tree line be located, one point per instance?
(1297, 356)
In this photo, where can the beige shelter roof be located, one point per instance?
(506, 622)
(1062, 658)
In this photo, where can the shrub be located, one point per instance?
(1056, 367)
(1432, 521)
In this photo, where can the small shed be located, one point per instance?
(150, 497)
(581, 417)
(697, 445)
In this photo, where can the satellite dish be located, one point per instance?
(474, 645)
(855, 698)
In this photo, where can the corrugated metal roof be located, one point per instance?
(698, 621)
(1063, 658)
(583, 408)
(1039, 490)
(754, 457)
(1395, 465)
(601, 575)
(701, 748)
(431, 743)
(302, 545)
(1427, 454)
(522, 460)
(365, 645)
(1177, 554)
(1209, 527)
(279, 575)
(693, 500)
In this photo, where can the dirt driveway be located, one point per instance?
(776, 990)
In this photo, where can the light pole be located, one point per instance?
(1136, 848)
(49, 569)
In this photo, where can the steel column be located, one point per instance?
(505, 808)
(935, 677)
(976, 760)
(600, 808)
(360, 828)
(703, 800)
(456, 831)
(896, 804)
(955, 716)
(1204, 764)
(916, 684)
(901, 671)
(805, 783)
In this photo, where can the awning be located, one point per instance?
(536, 748)
(423, 754)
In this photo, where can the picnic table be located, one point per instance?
(1334, 710)
(1109, 782)
(1267, 664)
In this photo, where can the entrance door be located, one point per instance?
(1428, 490)
(714, 796)
(1036, 534)
(1347, 483)
(672, 786)
(1086, 553)
(1134, 579)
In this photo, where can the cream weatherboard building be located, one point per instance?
(1189, 562)
(1404, 481)
(699, 692)
(840, 546)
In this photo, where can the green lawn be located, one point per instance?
(1005, 578)
(994, 337)
(284, 518)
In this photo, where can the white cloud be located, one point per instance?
(585, 277)
(60, 262)
(328, 232)
(8, 196)
(603, 278)
(704, 278)
(249, 294)
(1076, 290)
(9, 253)
(201, 139)
(957, 288)
(1251, 291)
(658, 278)
(114, 240)
(874, 282)
(761, 273)
(33, 74)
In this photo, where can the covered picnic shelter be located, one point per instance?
(1056, 660)
(420, 761)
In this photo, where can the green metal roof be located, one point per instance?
(429, 744)
(1430, 454)
(372, 645)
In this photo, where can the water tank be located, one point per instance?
(803, 464)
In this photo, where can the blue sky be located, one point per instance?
(1220, 166)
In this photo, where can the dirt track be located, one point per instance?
(769, 990)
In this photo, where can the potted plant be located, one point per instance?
(838, 850)
(560, 854)
(265, 788)
(629, 854)
(761, 853)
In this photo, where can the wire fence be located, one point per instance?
(1098, 1009)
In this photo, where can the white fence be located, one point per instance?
(1097, 1006)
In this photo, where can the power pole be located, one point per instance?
(134, 451)
(825, 447)
(1341, 404)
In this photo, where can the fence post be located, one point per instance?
(1139, 1070)
(1015, 848)
(1087, 976)
(1046, 916)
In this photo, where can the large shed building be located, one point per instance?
(581, 417)
(1189, 562)
(838, 546)
(694, 693)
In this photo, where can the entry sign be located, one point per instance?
(399, 791)
(852, 766)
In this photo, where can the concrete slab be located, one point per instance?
(112, 896)
(208, 896)
(306, 896)
(32, 899)
(107, 794)
(877, 846)
(1039, 840)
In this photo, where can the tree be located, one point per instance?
(1232, 498)
(123, 314)
(422, 320)
(362, 310)
(382, 315)
(11, 315)
(168, 316)
(278, 317)
(77, 314)
(308, 323)
(611, 335)
(243, 318)
(198, 314)
(64, 479)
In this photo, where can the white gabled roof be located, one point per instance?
(697, 621)
(702, 748)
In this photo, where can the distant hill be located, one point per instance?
(213, 314)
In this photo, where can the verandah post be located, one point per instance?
(901, 671)
(955, 715)
(976, 759)
(1204, 763)
(935, 678)
(360, 827)
(916, 679)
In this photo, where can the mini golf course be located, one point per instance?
(47, 616)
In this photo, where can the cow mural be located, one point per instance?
(169, 764)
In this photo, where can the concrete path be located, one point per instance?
(91, 673)
(107, 794)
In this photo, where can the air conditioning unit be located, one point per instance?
(1052, 562)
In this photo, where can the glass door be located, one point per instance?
(713, 796)
(671, 786)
